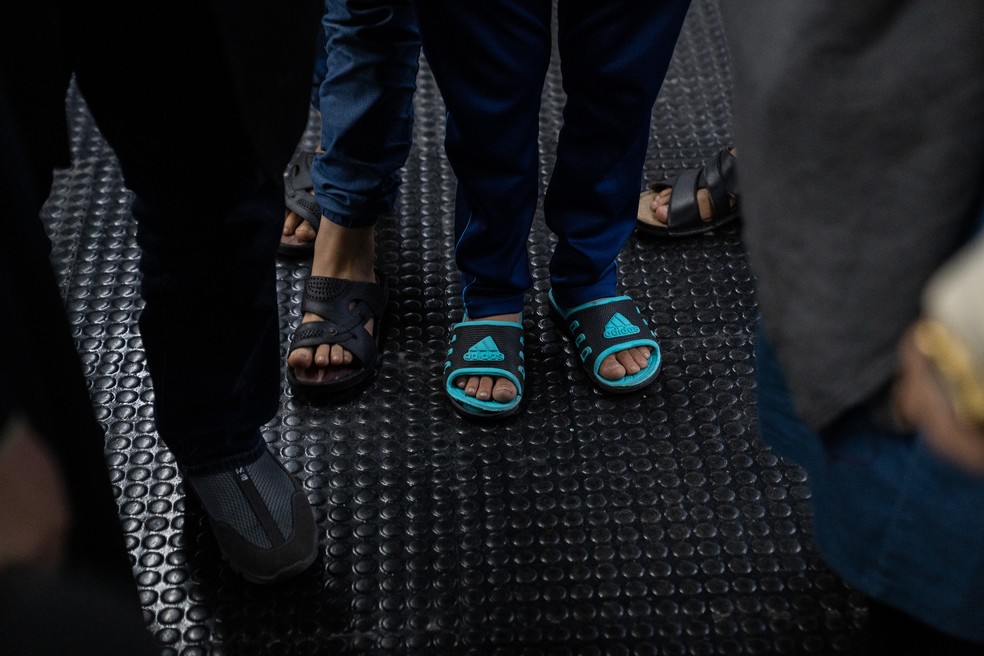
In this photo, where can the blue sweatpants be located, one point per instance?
(489, 58)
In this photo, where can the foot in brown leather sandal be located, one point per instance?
(695, 202)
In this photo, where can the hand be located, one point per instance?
(921, 401)
(34, 513)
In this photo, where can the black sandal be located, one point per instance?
(346, 306)
(719, 176)
(299, 199)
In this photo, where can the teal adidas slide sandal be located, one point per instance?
(607, 326)
(485, 348)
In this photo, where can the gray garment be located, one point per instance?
(860, 131)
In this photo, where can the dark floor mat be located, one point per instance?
(652, 524)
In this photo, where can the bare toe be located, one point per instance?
(337, 355)
(628, 362)
(611, 369)
(503, 391)
(484, 388)
(662, 199)
(661, 213)
(322, 355)
(660, 206)
(291, 221)
(471, 387)
(304, 232)
(300, 358)
(641, 355)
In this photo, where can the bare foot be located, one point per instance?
(625, 362)
(660, 205)
(484, 388)
(614, 367)
(620, 364)
(339, 252)
(297, 231)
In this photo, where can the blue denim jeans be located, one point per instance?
(892, 518)
(365, 77)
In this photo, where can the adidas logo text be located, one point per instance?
(619, 326)
(484, 351)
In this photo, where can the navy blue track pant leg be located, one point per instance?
(613, 56)
(490, 60)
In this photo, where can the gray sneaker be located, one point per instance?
(261, 519)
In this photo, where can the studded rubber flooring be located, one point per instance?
(652, 524)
